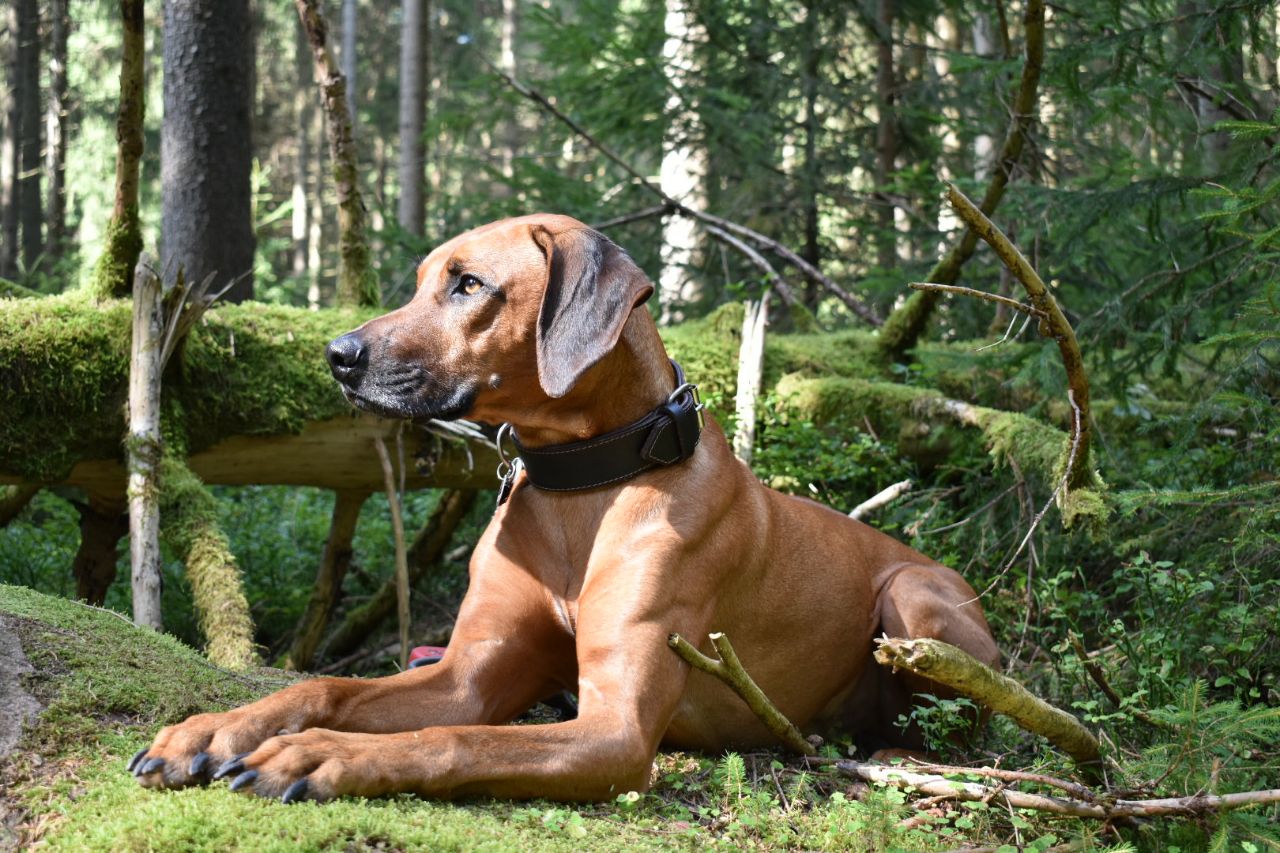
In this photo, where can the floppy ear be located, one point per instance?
(592, 285)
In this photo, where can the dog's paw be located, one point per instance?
(192, 752)
(316, 765)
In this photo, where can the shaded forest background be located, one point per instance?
(1146, 194)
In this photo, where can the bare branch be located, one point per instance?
(771, 276)
(1029, 310)
(402, 558)
(729, 670)
(637, 216)
(882, 499)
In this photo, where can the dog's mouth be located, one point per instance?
(415, 402)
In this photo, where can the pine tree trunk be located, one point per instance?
(509, 133)
(56, 129)
(357, 283)
(350, 22)
(205, 148)
(411, 210)
(9, 163)
(30, 208)
(684, 164)
(811, 251)
(113, 275)
(886, 135)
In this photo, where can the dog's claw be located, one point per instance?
(150, 766)
(233, 764)
(295, 792)
(137, 758)
(199, 764)
(244, 780)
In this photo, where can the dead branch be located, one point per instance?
(880, 500)
(1052, 324)
(957, 669)
(934, 784)
(853, 303)
(730, 670)
(1029, 310)
(144, 445)
(402, 557)
(1095, 672)
(904, 327)
(637, 216)
(755, 317)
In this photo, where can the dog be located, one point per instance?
(626, 519)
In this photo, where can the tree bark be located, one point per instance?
(10, 165)
(205, 147)
(56, 119)
(809, 175)
(684, 164)
(334, 563)
(30, 208)
(145, 447)
(304, 111)
(350, 21)
(357, 283)
(102, 526)
(113, 274)
(886, 135)
(411, 209)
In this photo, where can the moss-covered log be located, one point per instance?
(189, 526)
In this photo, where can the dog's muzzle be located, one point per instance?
(348, 359)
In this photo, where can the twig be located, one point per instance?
(1030, 310)
(957, 669)
(342, 663)
(729, 670)
(402, 558)
(627, 218)
(882, 499)
(937, 785)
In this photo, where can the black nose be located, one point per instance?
(348, 357)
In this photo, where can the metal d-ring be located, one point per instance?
(697, 400)
(504, 464)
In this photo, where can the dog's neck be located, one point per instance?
(623, 387)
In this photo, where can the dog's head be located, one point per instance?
(505, 314)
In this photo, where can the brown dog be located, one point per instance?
(535, 322)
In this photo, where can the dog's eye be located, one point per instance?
(470, 285)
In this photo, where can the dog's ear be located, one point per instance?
(592, 286)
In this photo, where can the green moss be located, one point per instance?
(112, 276)
(245, 369)
(189, 526)
(904, 326)
(13, 290)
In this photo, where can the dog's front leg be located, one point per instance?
(628, 693)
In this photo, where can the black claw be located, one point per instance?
(244, 780)
(151, 766)
(295, 792)
(198, 764)
(137, 757)
(234, 764)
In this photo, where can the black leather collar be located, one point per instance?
(667, 435)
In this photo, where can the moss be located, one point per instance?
(903, 327)
(246, 369)
(1086, 508)
(189, 526)
(112, 275)
(13, 290)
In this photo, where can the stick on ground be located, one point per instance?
(730, 670)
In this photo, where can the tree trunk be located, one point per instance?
(145, 447)
(357, 283)
(411, 209)
(809, 180)
(684, 164)
(348, 57)
(102, 526)
(56, 119)
(30, 209)
(9, 162)
(205, 148)
(304, 111)
(113, 275)
(886, 135)
(509, 133)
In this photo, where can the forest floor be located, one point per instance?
(104, 687)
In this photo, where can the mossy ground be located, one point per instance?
(107, 687)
